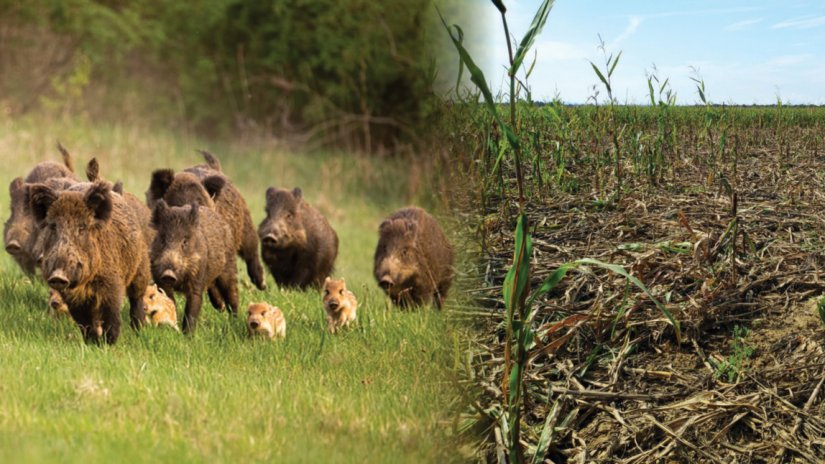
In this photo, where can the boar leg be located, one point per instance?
(135, 292)
(82, 316)
(302, 275)
(441, 294)
(110, 312)
(249, 253)
(227, 283)
(215, 297)
(194, 300)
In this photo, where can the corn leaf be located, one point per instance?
(622, 272)
(477, 78)
(546, 433)
(615, 62)
(532, 32)
(601, 76)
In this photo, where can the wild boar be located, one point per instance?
(413, 259)
(339, 303)
(207, 186)
(297, 243)
(20, 233)
(93, 254)
(192, 251)
(160, 309)
(265, 320)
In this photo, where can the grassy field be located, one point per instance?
(379, 392)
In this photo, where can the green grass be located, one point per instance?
(378, 393)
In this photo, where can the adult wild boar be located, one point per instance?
(19, 232)
(297, 243)
(206, 185)
(192, 251)
(413, 259)
(93, 254)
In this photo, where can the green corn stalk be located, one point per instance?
(610, 63)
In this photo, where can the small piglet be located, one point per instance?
(265, 320)
(297, 243)
(193, 251)
(56, 303)
(93, 253)
(160, 309)
(339, 303)
(413, 259)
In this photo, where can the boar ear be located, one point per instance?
(214, 185)
(159, 213)
(161, 180)
(326, 281)
(15, 185)
(92, 170)
(271, 192)
(99, 200)
(297, 193)
(118, 188)
(41, 198)
(161, 291)
(384, 225)
(194, 211)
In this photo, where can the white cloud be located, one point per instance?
(790, 60)
(632, 27)
(805, 22)
(742, 25)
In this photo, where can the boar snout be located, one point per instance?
(168, 277)
(254, 324)
(58, 280)
(54, 304)
(270, 240)
(333, 304)
(13, 247)
(386, 282)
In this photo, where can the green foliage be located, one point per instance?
(820, 309)
(732, 367)
(357, 70)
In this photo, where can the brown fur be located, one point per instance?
(94, 253)
(191, 252)
(19, 232)
(207, 186)
(297, 243)
(339, 303)
(413, 259)
(265, 320)
(140, 210)
(56, 303)
(160, 309)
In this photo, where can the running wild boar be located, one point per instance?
(413, 259)
(192, 251)
(93, 254)
(297, 243)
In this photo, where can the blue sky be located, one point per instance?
(746, 51)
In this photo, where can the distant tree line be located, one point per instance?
(358, 72)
